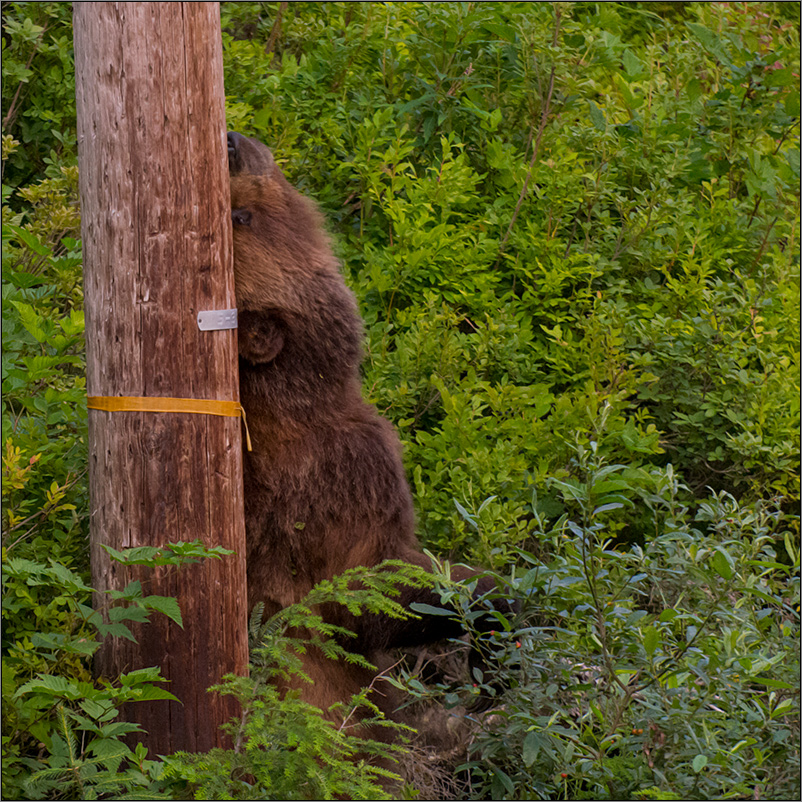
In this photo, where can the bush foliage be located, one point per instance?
(573, 231)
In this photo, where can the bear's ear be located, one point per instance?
(260, 337)
(241, 217)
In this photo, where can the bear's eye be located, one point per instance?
(241, 217)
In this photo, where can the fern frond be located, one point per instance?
(255, 621)
(39, 778)
(71, 741)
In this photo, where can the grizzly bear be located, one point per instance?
(325, 488)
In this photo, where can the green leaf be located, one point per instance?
(109, 749)
(597, 116)
(132, 591)
(772, 683)
(722, 564)
(614, 505)
(93, 709)
(140, 555)
(571, 490)
(29, 239)
(166, 605)
(465, 514)
(632, 64)
(90, 615)
(711, 42)
(45, 683)
(151, 693)
(531, 748)
(786, 569)
(503, 31)
(117, 630)
(651, 639)
(139, 675)
(427, 609)
(761, 595)
(131, 613)
(693, 89)
(699, 762)
(505, 780)
(32, 321)
(64, 643)
(116, 729)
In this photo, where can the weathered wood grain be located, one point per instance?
(157, 249)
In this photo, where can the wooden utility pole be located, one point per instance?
(157, 246)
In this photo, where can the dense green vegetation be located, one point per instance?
(573, 231)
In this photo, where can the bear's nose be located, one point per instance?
(234, 140)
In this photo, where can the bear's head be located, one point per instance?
(280, 244)
(294, 307)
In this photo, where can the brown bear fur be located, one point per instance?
(325, 488)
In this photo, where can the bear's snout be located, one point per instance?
(248, 156)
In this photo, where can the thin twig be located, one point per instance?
(241, 731)
(42, 513)
(785, 134)
(758, 198)
(275, 30)
(544, 117)
(763, 244)
(370, 687)
(12, 110)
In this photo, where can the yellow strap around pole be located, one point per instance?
(199, 406)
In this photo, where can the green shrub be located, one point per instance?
(626, 233)
(284, 748)
(38, 90)
(669, 671)
(49, 696)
